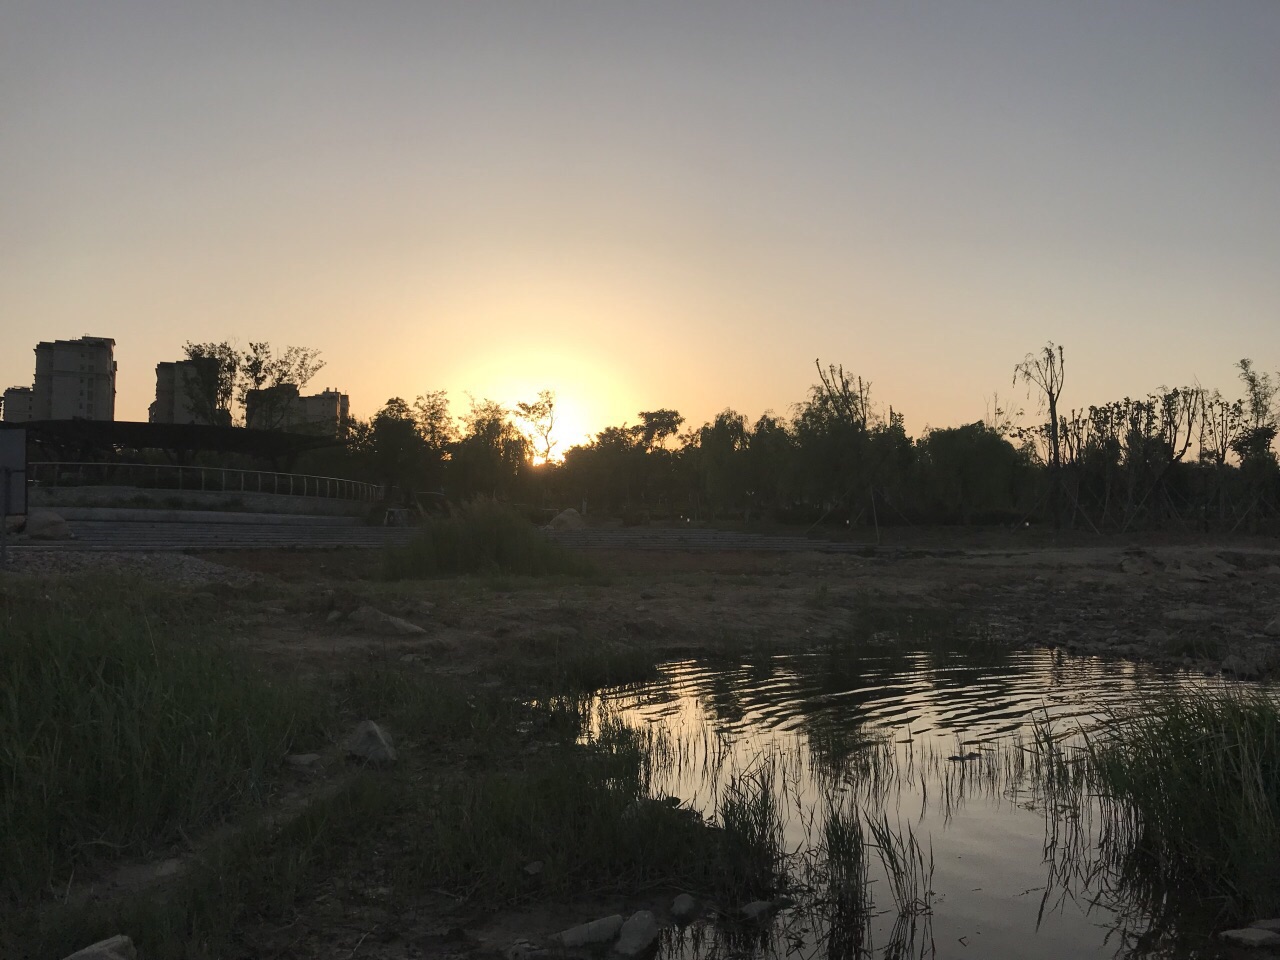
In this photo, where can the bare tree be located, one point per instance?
(1046, 371)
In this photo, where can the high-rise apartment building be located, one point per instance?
(281, 408)
(17, 404)
(75, 379)
(186, 392)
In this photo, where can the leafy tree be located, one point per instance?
(274, 380)
(540, 415)
(211, 388)
(1253, 445)
(656, 427)
(491, 453)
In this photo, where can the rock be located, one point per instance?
(1238, 666)
(334, 616)
(117, 948)
(1272, 629)
(370, 743)
(47, 525)
(757, 909)
(302, 761)
(375, 619)
(568, 520)
(1192, 615)
(533, 869)
(1251, 937)
(524, 950)
(597, 931)
(639, 935)
(1272, 925)
(684, 909)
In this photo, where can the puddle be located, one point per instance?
(933, 748)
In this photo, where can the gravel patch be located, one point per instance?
(172, 567)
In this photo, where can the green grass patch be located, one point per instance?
(124, 725)
(485, 538)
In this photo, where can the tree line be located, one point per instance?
(840, 457)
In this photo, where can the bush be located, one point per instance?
(486, 538)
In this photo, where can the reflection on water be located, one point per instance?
(923, 757)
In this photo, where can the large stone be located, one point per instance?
(759, 909)
(374, 619)
(1273, 925)
(1237, 666)
(117, 948)
(47, 525)
(639, 935)
(1251, 937)
(1192, 615)
(584, 934)
(684, 909)
(568, 520)
(370, 743)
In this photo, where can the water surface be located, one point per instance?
(934, 745)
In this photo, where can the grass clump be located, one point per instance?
(484, 538)
(583, 813)
(1196, 780)
(123, 726)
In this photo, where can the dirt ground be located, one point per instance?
(1207, 606)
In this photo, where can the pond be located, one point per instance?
(934, 755)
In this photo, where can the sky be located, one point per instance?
(648, 204)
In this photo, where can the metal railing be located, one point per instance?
(154, 476)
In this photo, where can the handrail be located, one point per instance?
(64, 473)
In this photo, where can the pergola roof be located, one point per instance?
(176, 437)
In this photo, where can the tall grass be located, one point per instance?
(583, 812)
(752, 852)
(484, 538)
(1193, 779)
(123, 726)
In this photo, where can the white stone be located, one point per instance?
(639, 934)
(1192, 615)
(524, 950)
(597, 931)
(1251, 937)
(375, 619)
(370, 743)
(568, 520)
(117, 948)
(684, 908)
(758, 908)
(47, 525)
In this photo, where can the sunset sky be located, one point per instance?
(648, 204)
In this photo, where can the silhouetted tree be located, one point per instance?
(1045, 371)
(540, 415)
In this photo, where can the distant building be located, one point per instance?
(17, 404)
(187, 392)
(75, 379)
(282, 408)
